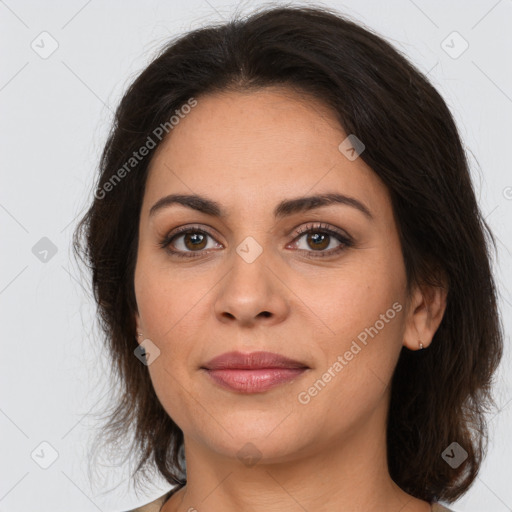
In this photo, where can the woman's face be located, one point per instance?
(263, 278)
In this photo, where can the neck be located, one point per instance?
(348, 474)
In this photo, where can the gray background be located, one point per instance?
(55, 113)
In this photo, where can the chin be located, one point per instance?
(253, 440)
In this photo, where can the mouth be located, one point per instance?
(254, 372)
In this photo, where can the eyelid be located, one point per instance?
(174, 233)
(320, 226)
(344, 238)
(297, 231)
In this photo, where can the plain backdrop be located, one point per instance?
(63, 69)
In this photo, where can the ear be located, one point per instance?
(138, 329)
(424, 314)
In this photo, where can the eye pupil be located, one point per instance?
(322, 237)
(196, 239)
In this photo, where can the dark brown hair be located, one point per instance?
(438, 395)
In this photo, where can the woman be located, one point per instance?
(293, 274)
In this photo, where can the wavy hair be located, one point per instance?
(439, 395)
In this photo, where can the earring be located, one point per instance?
(421, 345)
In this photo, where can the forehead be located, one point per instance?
(255, 146)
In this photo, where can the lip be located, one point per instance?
(253, 372)
(251, 361)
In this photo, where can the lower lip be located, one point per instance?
(254, 381)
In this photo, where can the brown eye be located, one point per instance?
(188, 242)
(194, 241)
(320, 241)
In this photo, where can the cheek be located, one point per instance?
(357, 298)
(166, 298)
(166, 318)
(172, 315)
(365, 314)
(172, 391)
(354, 380)
(167, 323)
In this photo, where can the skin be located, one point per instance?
(248, 152)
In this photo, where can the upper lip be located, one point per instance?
(251, 360)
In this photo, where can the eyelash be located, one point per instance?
(309, 228)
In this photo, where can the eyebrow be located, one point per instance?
(283, 209)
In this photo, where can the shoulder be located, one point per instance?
(155, 505)
(437, 507)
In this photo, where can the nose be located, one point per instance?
(251, 292)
